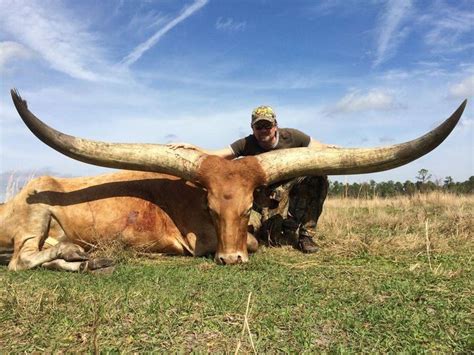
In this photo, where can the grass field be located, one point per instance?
(392, 275)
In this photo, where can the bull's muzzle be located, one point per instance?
(231, 258)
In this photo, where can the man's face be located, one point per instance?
(265, 133)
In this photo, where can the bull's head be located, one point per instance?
(230, 184)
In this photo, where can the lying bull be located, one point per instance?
(147, 211)
(182, 202)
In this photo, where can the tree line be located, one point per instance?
(422, 184)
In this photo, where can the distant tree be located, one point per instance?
(448, 183)
(423, 176)
(430, 186)
(448, 180)
(336, 188)
(467, 187)
(389, 188)
(373, 187)
(399, 188)
(409, 188)
(470, 185)
(365, 190)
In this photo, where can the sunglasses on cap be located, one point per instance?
(263, 125)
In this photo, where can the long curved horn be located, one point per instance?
(289, 163)
(145, 157)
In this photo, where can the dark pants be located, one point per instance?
(284, 212)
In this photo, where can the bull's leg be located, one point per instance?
(63, 265)
(28, 256)
(29, 237)
(88, 265)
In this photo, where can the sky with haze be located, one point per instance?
(351, 73)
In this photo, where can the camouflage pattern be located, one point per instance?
(263, 113)
(284, 212)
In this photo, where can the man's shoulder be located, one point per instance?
(245, 140)
(292, 137)
(246, 146)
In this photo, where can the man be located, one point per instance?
(287, 212)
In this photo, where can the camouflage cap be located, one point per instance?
(263, 113)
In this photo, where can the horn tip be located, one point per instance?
(461, 107)
(17, 99)
(14, 92)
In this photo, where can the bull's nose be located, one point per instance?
(231, 258)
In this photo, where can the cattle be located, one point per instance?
(147, 211)
(177, 201)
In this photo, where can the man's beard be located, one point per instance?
(268, 142)
(267, 139)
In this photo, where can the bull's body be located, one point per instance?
(145, 211)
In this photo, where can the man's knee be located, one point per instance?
(307, 198)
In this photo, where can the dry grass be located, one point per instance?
(386, 226)
(15, 183)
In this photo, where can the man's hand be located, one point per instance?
(175, 146)
(316, 145)
(226, 153)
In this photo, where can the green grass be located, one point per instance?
(371, 288)
(299, 303)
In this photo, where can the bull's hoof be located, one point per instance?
(72, 252)
(99, 263)
(104, 271)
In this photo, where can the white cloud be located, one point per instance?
(390, 30)
(447, 25)
(62, 42)
(464, 89)
(466, 123)
(143, 47)
(322, 8)
(146, 20)
(326, 7)
(230, 25)
(355, 101)
(10, 51)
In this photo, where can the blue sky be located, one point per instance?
(351, 73)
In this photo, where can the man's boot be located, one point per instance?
(306, 243)
(298, 236)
